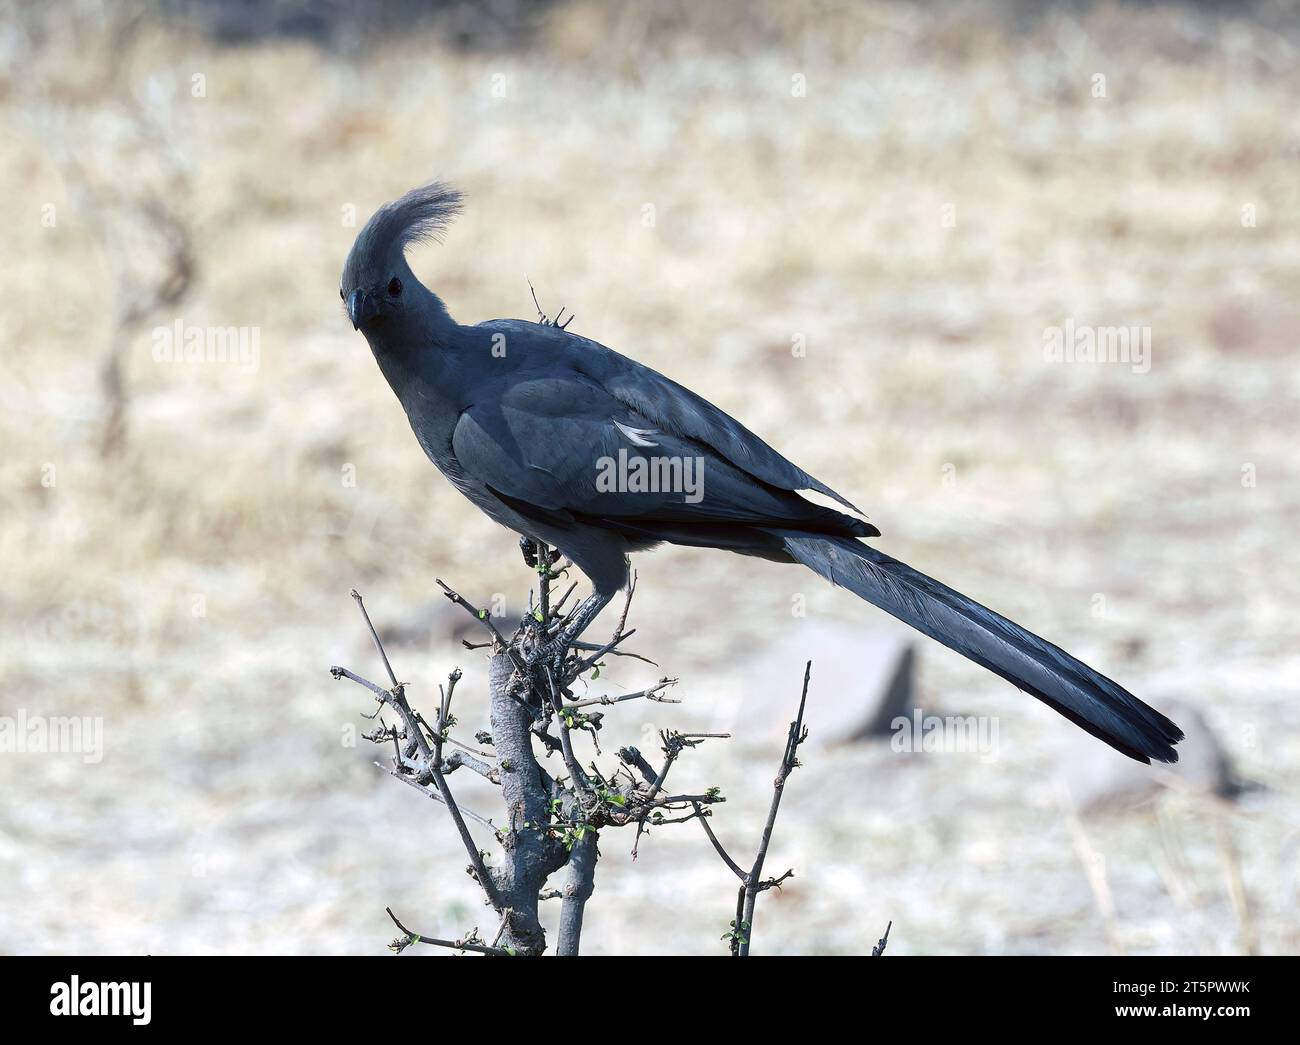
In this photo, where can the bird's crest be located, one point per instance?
(422, 214)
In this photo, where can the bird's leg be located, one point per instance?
(583, 616)
(538, 618)
(588, 610)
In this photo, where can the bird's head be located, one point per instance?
(378, 288)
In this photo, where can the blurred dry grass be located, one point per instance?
(226, 814)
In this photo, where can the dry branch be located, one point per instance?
(552, 823)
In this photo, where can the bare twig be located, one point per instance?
(484, 618)
(651, 693)
(396, 699)
(879, 948)
(470, 944)
(718, 847)
(751, 882)
(673, 745)
(542, 318)
(374, 635)
(585, 646)
(627, 605)
(463, 758)
(609, 647)
(436, 796)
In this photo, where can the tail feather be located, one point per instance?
(1087, 698)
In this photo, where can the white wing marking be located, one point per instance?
(637, 435)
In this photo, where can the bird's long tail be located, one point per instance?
(1090, 700)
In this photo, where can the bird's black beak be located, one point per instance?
(361, 308)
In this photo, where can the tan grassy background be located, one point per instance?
(192, 591)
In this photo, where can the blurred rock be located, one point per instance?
(341, 25)
(1098, 777)
(861, 681)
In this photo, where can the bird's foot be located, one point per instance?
(529, 548)
(555, 651)
(547, 663)
(549, 654)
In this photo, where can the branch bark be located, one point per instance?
(531, 854)
(577, 891)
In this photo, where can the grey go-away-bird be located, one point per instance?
(525, 419)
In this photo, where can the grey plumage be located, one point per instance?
(519, 415)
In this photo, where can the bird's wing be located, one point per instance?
(563, 446)
(675, 408)
(670, 407)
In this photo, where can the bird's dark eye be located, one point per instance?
(394, 286)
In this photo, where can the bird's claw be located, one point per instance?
(550, 654)
(529, 549)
